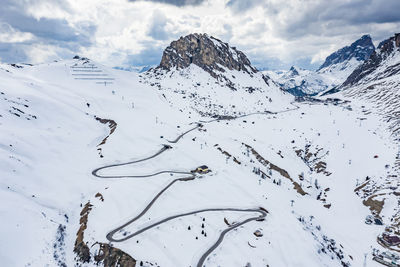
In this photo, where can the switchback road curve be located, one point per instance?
(191, 176)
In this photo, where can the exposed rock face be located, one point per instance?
(81, 248)
(397, 37)
(360, 50)
(206, 52)
(105, 255)
(385, 49)
(109, 256)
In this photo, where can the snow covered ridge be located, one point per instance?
(360, 50)
(386, 50)
(333, 72)
(378, 82)
(205, 75)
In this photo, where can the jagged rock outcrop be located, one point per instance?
(105, 254)
(360, 50)
(207, 52)
(385, 49)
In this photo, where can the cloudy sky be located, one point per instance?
(274, 34)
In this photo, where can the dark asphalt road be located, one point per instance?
(263, 213)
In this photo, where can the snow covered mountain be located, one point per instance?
(138, 69)
(360, 50)
(377, 81)
(333, 72)
(201, 73)
(103, 167)
(301, 82)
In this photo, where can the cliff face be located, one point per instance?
(207, 52)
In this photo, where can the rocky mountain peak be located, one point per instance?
(389, 45)
(385, 49)
(207, 52)
(293, 71)
(360, 50)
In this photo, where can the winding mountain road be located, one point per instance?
(191, 176)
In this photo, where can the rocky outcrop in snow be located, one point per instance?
(207, 52)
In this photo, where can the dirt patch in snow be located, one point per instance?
(312, 157)
(358, 188)
(274, 167)
(112, 125)
(110, 256)
(374, 205)
(99, 196)
(105, 255)
(81, 248)
(227, 154)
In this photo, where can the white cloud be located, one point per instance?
(51, 9)
(9, 35)
(41, 53)
(270, 32)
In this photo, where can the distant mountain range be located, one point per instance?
(214, 56)
(138, 69)
(334, 71)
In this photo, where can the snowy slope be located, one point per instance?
(376, 85)
(49, 143)
(193, 89)
(377, 82)
(301, 162)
